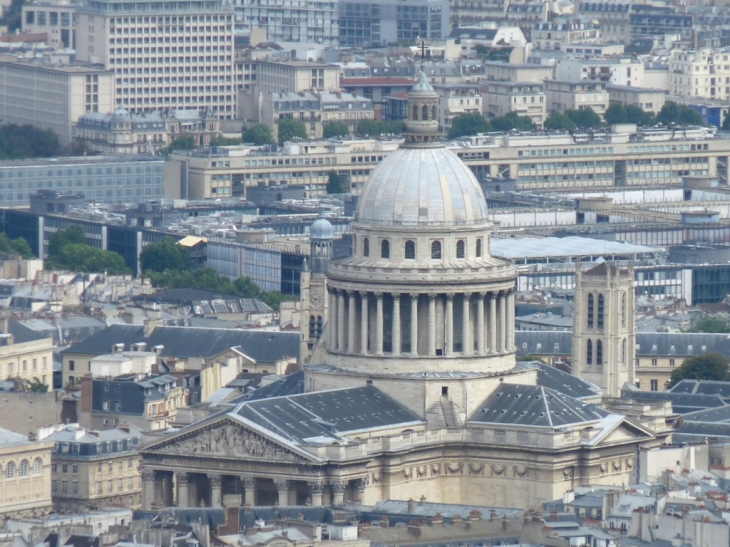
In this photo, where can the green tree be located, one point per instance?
(290, 129)
(636, 115)
(584, 118)
(615, 113)
(224, 141)
(368, 128)
(709, 324)
(679, 114)
(17, 246)
(26, 141)
(88, 259)
(334, 184)
(559, 122)
(726, 123)
(74, 234)
(335, 129)
(708, 366)
(37, 386)
(466, 125)
(510, 121)
(165, 255)
(259, 135)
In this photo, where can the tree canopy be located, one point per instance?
(290, 129)
(334, 183)
(679, 114)
(181, 143)
(708, 366)
(335, 129)
(224, 141)
(26, 141)
(17, 246)
(74, 234)
(36, 386)
(165, 255)
(372, 128)
(469, 124)
(618, 113)
(67, 250)
(709, 324)
(259, 135)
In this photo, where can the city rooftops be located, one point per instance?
(296, 63)
(81, 160)
(41, 64)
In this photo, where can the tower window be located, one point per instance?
(460, 248)
(623, 310)
(366, 247)
(590, 311)
(415, 113)
(311, 326)
(599, 353)
(425, 113)
(436, 250)
(385, 249)
(589, 352)
(600, 311)
(410, 250)
(433, 112)
(479, 248)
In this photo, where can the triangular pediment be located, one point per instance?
(623, 431)
(229, 438)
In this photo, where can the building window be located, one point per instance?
(479, 248)
(75, 469)
(436, 250)
(54, 487)
(385, 249)
(623, 310)
(410, 250)
(654, 384)
(10, 471)
(623, 351)
(654, 362)
(75, 488)
(638, 384)
(589, 352)
(671, 362)
(23, 471)
(590, 311)
(460, 245)
(71, 365)
(365, 247)
(599, 352)
(110, 486)
(638, 362)
(64, 487)
(600, 311)
(121, 484)
(38, 466)
(99, 488)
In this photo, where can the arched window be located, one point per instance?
(10, 471)
(590, 311)
(600, 311)
(311, 326)
(460, 248)
(318, 329)
(410, 250)
(623, 310)
(385, 249)
(366, 247)
(589, 352)
(37, 466)
(599, 353)
(623, 351)
(433, 112)
(424, 112)
(436, 250)
(479, 248)
(23, 468)
(415, 113)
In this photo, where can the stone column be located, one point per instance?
(379, 324)
(215, 489)
(510, 321)
(332, 341)
(338, 492)
(431, 325)
(395, 338)
(492, 323)
(282, 486)
(480, 323)
(148, 489)
(341, 344)
(502, 322)
(364, 323)
(315, 490)
(351, 310)
(249, 490)
(467, 341)
(183, 499)
(414, 325)
(449, 345)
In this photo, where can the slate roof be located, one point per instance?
(323, 414)
(292, 384)
(22, 334)
(703, 387)
(711, 415)
(9, 438)
(516, 404)
(557, 380)
(681, 403)
(102, 342)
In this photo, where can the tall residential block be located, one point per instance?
(312, 21)
(164, 55)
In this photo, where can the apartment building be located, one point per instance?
(525, 98)
(517, 72)
(613, 16)
(466, 12)
(650, 100)
(56, 20)
(648, 21)
(92, 469)
(701, 73)
(573, 30)
(564, 95)
(313, 21)
(383, 22)
(616, 71)
(163, 55)
(24, 353)
(295, 76)
(456, 99)
(52, 97)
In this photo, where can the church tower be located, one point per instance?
(314, 285)
(604, 340)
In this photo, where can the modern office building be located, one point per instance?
(314, 21)
(384, 22)
(163, 55)
(525, 98)
(294, 76)
(57, 20)
(54, 97)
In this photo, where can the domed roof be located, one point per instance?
(121, 114)
(321, 229)
(420, 187)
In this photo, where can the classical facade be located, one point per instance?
(412, 389)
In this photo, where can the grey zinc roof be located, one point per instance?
(516, 404)
(289, 385)
(22, 334)
(703, 387)
(711, 415)
(68, 434)
(563, 246)
(562, 382)
(9, 438)
(681, 403)
(324, 413)
(102, 342)
(422, 186)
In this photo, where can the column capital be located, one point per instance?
(316, 487)
(492, 295)
(148, 475)
(449, 296)
(182, 477)
(364, 294)
(480, 294)
(414, 295)
(466, 294)
(338, 486)
(396, 296)
(215, 480)
(248, 482)
(432, 297)
(282, 484)
(379, 295)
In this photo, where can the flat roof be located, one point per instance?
(81, 160)
(563, 246)
(39, 65)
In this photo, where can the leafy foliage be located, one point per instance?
(465, 125)
(26, 141)
(679, 114)
(558, 121)
(334, 184)
(618, 113)
(726, 123)
(74, 234)
(335, 129)
(373, 128)
(180, 143)
(709, 324)
(210, 280)
(290, 129)
(224, 141)
(13, 15)
(259, 135)
(165, 255)
(67, 250)
(17, 246)
(708, 366)
(37, 386)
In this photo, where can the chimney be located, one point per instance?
(437, 520)
(384, 521)
(139, 346)
(86, 399)
(553, 515)
(475, 515)
(117, 348)
(150, 325)
(5, 325)
(423, 500)
(457, 519)
(124, 427)
(492, 515)
(411, 506)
